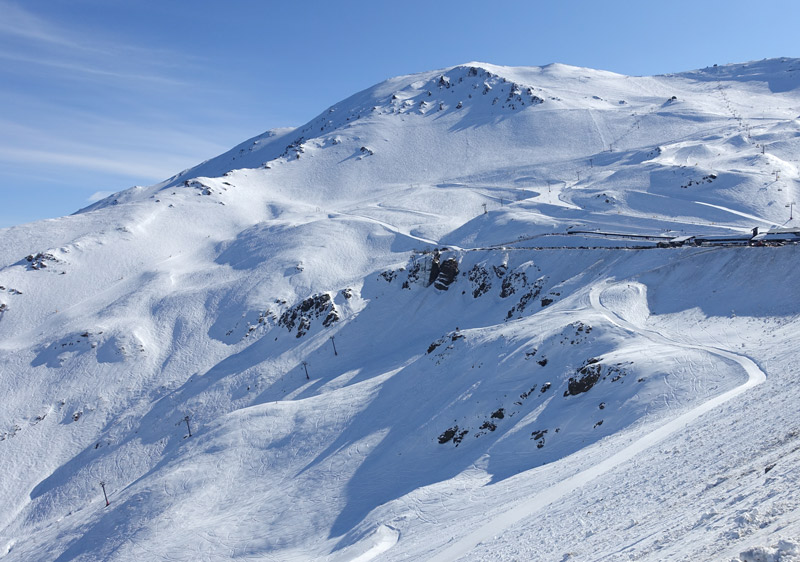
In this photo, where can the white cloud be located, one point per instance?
(89, 109)
(141, 165)
(19, 22)
(50, 44)
(88, 69)
(104, 145)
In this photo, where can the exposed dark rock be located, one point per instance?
(200, 186)
(302, 314)
(499, 414)
(453, 434)
(589, 375)
(448, 271)
(455, 336)
(39, 260)
(413, 274)
(296, 148)
(448, 434)
(511, 283)
(705, 179)
(526, 298)
(480, 279)
(332, 317)
(580, 334)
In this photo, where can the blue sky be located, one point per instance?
(100, 95)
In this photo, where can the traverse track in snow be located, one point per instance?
(494, 528)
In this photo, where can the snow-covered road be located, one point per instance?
(624, 304)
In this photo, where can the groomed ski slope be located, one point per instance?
(433, 321)
(624, 305)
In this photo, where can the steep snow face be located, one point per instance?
(442, 319)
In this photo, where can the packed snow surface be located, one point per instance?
(480, 313)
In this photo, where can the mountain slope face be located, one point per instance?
(439, 321)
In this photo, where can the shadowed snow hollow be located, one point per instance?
(480, 312)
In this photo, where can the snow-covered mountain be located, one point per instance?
(481, 313)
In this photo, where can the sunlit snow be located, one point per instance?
(479, 313)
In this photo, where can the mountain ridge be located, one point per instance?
(387, 328)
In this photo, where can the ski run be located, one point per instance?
(478, 313)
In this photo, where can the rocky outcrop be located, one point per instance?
(448, 272)
(301, 315)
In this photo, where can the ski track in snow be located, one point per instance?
(495, 528)
(745, 215)
(388, 226)
(169, 300)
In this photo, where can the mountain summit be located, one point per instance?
(477, 313)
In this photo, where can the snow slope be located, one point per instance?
(432, 323)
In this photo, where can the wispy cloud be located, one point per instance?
(142, 154)
(31, 39)
(103, 145)
(87, 103)
(87, 110)
(87, 69)
(133, 165)
(19, 22)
